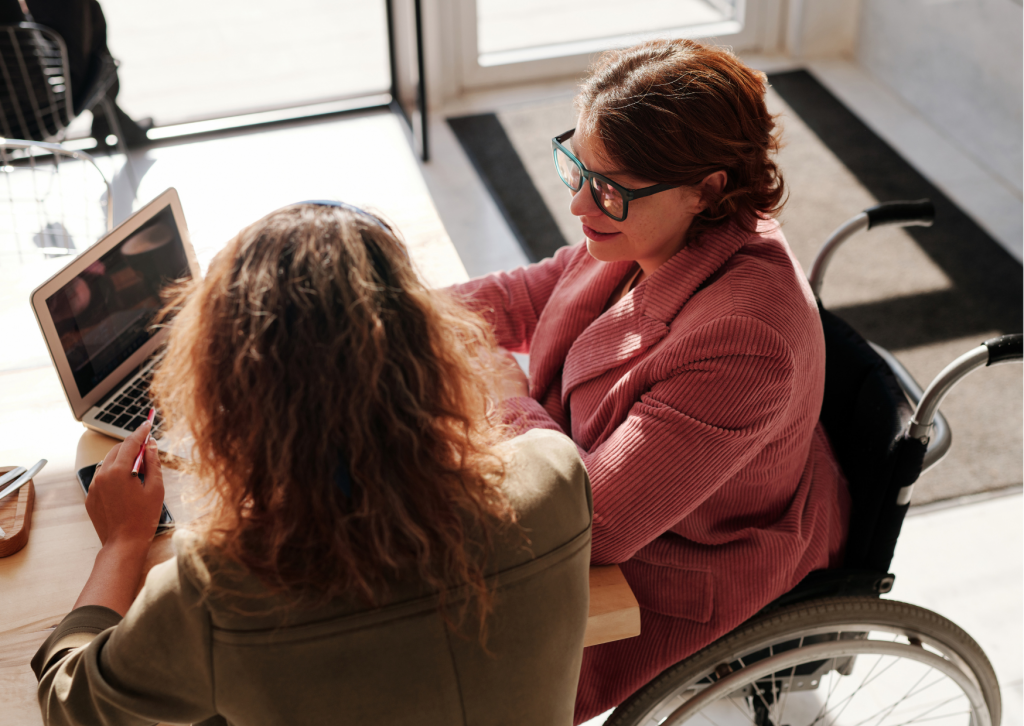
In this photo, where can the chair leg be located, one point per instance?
(111, 113)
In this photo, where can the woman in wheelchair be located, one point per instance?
(373, 550)
(681, 349)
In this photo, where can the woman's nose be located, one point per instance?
(583, 204)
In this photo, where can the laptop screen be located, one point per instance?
(103, 315)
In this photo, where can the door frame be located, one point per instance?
(758, 30)
(408, 72)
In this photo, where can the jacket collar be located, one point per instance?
(576, 302)
(642, 317)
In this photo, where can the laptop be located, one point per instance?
(97, 316)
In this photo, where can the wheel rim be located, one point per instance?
(898, 678)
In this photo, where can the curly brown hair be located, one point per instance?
(310, 361)
(674, 111)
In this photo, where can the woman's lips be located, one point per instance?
(598, 236)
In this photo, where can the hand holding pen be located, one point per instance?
(121, 505)
(125, 511)
(138, 469)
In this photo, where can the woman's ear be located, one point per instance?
(711, 186)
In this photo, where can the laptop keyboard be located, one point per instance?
(129, 408)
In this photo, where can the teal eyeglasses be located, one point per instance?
(612, 199)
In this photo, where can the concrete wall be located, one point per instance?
(958, 62)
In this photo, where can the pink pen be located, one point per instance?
(138, 459)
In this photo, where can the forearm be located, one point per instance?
(115, 576)
(513, 301)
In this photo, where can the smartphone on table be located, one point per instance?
(85, 475)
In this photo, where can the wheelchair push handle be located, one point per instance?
(920, 213)
(1004, 348)
(928, 424)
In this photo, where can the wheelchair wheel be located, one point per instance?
(833, 662)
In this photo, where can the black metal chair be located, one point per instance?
(36, 100)
(56, 210)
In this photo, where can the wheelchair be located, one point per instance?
(831, 651)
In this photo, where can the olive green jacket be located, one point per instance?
(178, 657)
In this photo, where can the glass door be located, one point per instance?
(527, 40)
(194, 60)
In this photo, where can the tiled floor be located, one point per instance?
(992, 203)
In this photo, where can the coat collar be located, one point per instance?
(576, 302)
(642, 317)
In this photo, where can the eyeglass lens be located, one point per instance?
(607, 196)
(568, 170)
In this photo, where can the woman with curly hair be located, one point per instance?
(372, 550)
(681, 349)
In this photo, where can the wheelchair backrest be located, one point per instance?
(865, 414)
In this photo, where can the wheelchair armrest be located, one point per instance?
(941, 437)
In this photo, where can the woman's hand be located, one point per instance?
(120, 506)
(125, 513)
(511, 379)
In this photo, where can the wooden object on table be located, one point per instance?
(92, 448)
(16, 516)
(614, 611)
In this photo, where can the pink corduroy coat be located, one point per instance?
(694, 402)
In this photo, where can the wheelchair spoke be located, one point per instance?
(934, 718)
(711, 720)
(754, 686)
(760, 695)
(891, 708)
(867, 681)
(914, 692)
(855, 642)
(833, 684)
(918, 691)
(918, 718)
(746, 714)
(789, 685)
(757, 690)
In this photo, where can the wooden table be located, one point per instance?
(39, 584)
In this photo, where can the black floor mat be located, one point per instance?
(987, 281)
(496, 161)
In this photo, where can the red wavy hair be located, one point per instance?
(674, 111)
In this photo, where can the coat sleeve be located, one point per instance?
(513, 301)
(152, 666)
(716, 406)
